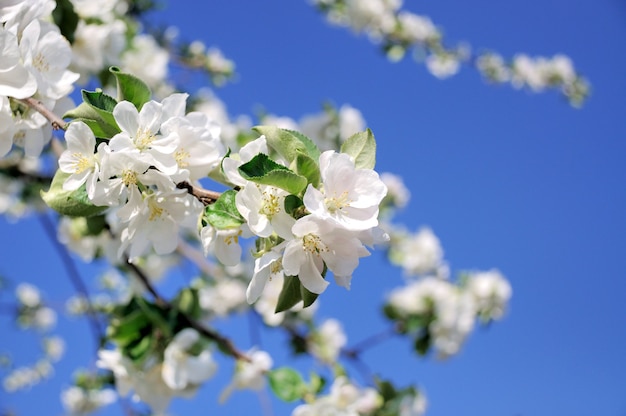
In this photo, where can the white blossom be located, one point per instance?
(344, 399)
(249, 375)
(349, 197)
(156, 222)
(79, 159)
(413, 405)
(180, 368)
(96, 46)
(28, 295)
(263, 208)
(15, 80)
(491, 292)
(199, 149)
(47, 54)
(327, 340)
(443, 65)
(418, 254)
(146, 60)
(79, 401)
(316, 243)
(224, 243)
(224, 297)
(267, 267)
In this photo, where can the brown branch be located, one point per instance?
(57, 122)
(359, 347)
(224, 343)
(202, 195)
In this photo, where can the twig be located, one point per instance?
(57, 122)
(74, 276)
(357, 349)
(197, 257)
(224, 343)
(203, 195)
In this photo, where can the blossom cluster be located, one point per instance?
(138, 169)
(341, 219)
(35, 61)
(446, 312)
(400, 30)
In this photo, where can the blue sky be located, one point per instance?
(507, 179)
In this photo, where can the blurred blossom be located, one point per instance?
(443, 65)
(493, 67)
(413, 405)
(415, 28)
(326, 341)
(491, 292)
(224, 297)
(182, 369)
(249, 375)
(28, 295)
(398, 194)
(418, 254)
(54, 347)
(45, 318)
(344, 399)
(148, 61)
(78, 401)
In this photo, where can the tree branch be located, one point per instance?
(224, 343)
(203, 195)
(57, 122)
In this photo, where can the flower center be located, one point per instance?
(271, 205)
(40, 63)
(337, 203)
(144, 139)
(276, 267)
(313, 244)
(232, 238)
(82, 162)
(155, 210)
(129, 177)
(181, 156)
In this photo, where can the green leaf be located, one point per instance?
(130, 88)
(223, 214)
(293, 205)
(70, 203)
(362, 147)
(422, 343)
(307, 297)
(127, 329)
(66, 19)
(286, 383)
(263, 170)
(305, 166)
(311, 148)
(288, 143)
(140, 350)
(100, 101)
(290, 294)
(98, 125)
(188, 302)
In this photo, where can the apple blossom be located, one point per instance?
(316, 243)
(263, 208)
(79, 159)
(349, 197)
